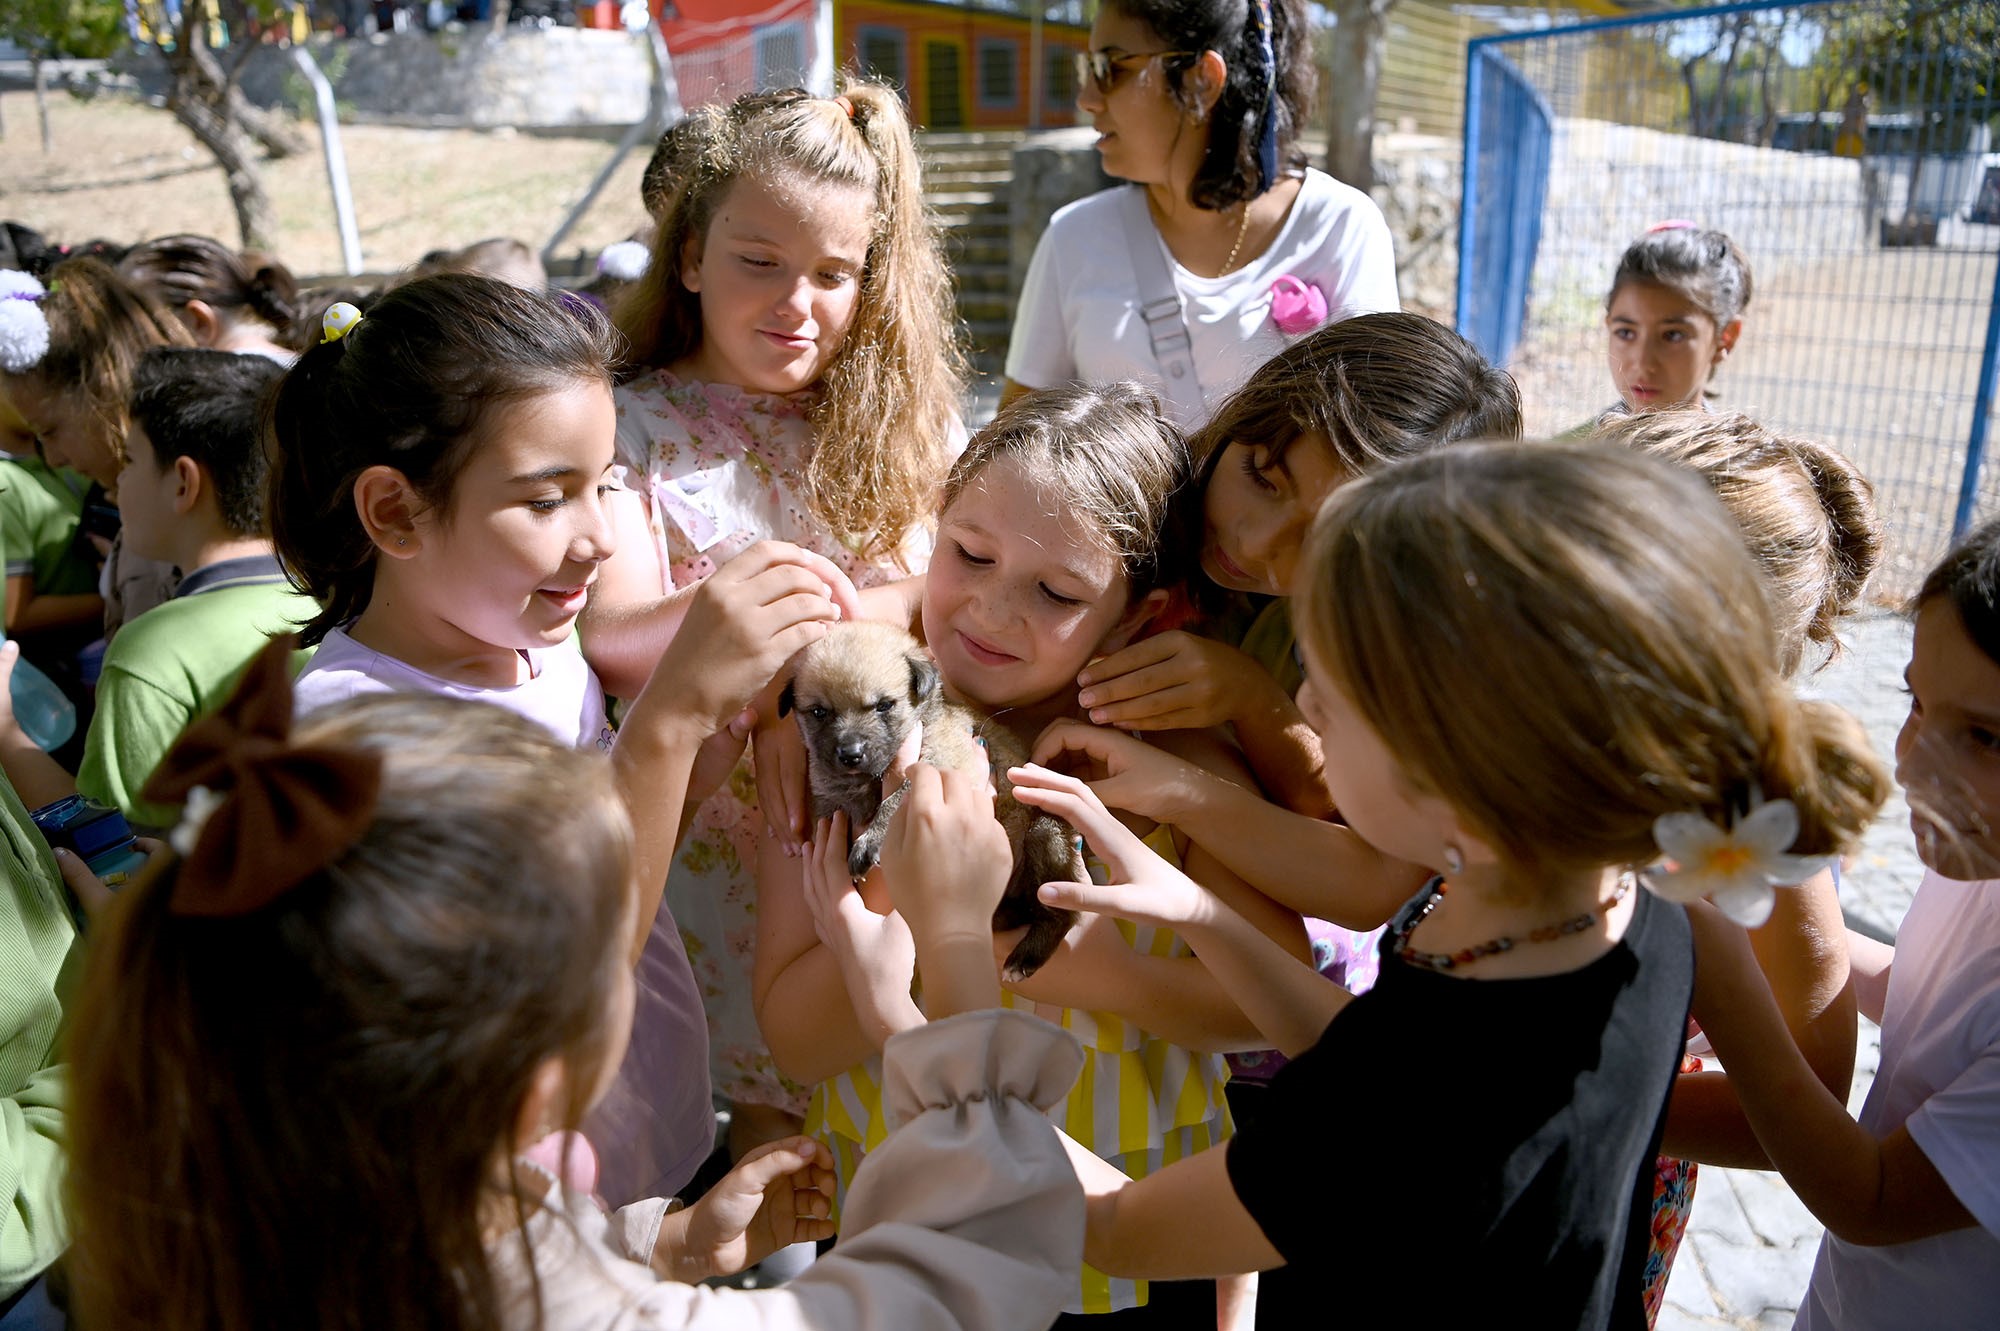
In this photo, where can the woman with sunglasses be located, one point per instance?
(1198, 104)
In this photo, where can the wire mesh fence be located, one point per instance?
(1847, 146)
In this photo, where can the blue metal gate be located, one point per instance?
(1847, 146)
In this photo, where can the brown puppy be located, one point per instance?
(857, 692)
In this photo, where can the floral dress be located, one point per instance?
(721, 469)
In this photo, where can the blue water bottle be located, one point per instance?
(46, 714)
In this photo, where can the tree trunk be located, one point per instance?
(42, 105)
(501, 9)
(208, 102)
(1354, 73)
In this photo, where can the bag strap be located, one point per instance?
(1160, 307)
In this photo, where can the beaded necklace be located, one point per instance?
(1446, 961)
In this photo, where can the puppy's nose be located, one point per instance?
(850, 755)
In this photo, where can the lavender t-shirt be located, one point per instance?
(656, 1124)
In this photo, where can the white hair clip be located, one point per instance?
(24, 328)
(1738, 867)
(338, 321)
(624, 261)
(201, 802)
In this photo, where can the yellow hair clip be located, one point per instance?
(338, 323)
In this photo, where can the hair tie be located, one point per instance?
(262, 816)
(338, 322)
(1258, 29)
(846, 105)
(24, 327)
(1672, 224)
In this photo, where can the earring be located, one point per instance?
(1454, 859)
(402, 540)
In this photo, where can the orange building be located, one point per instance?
(961, 67)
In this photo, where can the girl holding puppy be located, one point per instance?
(1529, 773)
(1049, 553)
(314, 1043)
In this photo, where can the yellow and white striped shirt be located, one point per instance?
(1139, 1103)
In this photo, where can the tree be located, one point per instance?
(1354, 72)
(57, 29)
(204, 95)
(1937, 62)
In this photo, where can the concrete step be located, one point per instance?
(978, 249)
(964, 200)
(951, 179)
(980, 276)
(986, 309)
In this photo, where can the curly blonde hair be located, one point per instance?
(888, 400)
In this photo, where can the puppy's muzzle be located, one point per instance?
(851, 755)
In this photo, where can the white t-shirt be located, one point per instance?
(1078, 318)
(562, 692)
(1940, 1077)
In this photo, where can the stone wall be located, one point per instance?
(529, 78)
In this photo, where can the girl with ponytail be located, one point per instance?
(1198, 103)
(790, 373)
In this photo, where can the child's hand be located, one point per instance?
(1123, 771)
(946, 858)
(1173, 681)
(777, 1195)
(877, 953)
(1145, 887)
(718, 755)
(746, 620)
(87, 887)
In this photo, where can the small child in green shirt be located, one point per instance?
(191, 495)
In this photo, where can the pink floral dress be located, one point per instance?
(722, 469)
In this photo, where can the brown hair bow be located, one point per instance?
(274, 815)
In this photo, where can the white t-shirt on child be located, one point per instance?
(561, 693)
(1940, 1077)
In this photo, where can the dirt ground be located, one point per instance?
(124, 170)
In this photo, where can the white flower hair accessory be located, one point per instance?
(1738, 867)
(24, 329)
(624, 261)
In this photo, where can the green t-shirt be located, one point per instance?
(175, 663)
(37, 955)
(39, 507)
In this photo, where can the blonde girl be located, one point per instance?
(1528, 770)
(791, 374)
(1049, 553)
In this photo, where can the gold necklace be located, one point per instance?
(1242, 230)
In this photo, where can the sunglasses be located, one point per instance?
(1104, 71)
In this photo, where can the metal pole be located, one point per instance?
(336, 159)
(823, 58)
(663, 108)
(1468, 189)
(1982, 413)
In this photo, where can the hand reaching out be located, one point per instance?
(777, 1195)
(1173, 681)
(1144, 887)
(1123, 771)
(877, 954)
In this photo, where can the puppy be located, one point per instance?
(857, 692)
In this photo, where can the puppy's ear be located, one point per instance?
(786, 698)
(923, 678)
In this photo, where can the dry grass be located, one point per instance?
(126, 171)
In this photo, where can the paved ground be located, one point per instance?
(1749, 1248)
